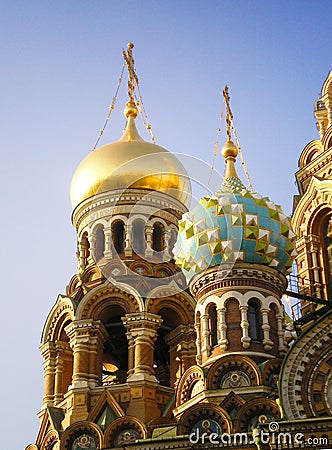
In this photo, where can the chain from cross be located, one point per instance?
(132, 77)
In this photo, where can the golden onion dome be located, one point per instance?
(130, 163)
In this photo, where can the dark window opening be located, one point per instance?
(118, 237)
(139, 237)
(213, 325)
(254, 321)
(100, 243)
(157, 238)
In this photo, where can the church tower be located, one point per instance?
(115, 345)
(236, 248)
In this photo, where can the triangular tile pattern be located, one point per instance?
(235, 225)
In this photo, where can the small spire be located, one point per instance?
(229, 150)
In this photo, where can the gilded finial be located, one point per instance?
(132, 77)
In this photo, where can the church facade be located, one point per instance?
(172, 334)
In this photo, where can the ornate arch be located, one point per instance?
(255, 411)
(106, 295)
(189, 379)
(317, 196)
(310, 151)
(63, 310)
(229, 363)
(77, 429)
(91, 273)
(204, 411)
(166, 297)
(126, 429)
(99, 222)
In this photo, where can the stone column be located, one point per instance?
(148, 234)
(182, 351)
(86, 338)
(108, 243)
(223, 342)
(245, 339)
(205, 335)
(58, 390)
(267, 342)
(92, 241)
(128, 251)
(131, 354)
(48, 353)
(281, 335)
(314, 247)
(167, 251)
(198, 342)
(81, 255)
(143, 330)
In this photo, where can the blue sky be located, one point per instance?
(60, 62)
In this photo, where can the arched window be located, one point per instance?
(254, 321)
(100, 243)
(157, 238)
(118, 236)
(139, 237)
(213, 325)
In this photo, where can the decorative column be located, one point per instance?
(48, 353)
(223, 341)
(143, 329)
(128, 251)
(58, 390)
(108, 243)
(267, 342)
(281, 335)
(205, 336)
(131, 355)
(182, 351)
(81, 255)
(86, 338)
(245, 339)
(198, 342)
(91, 258)
(167, 251)
(314, 246)
(148, 234)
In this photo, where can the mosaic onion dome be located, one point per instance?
(234, 225)
(130, 163)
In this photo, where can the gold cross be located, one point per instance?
(132, 77)
(229, 115)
